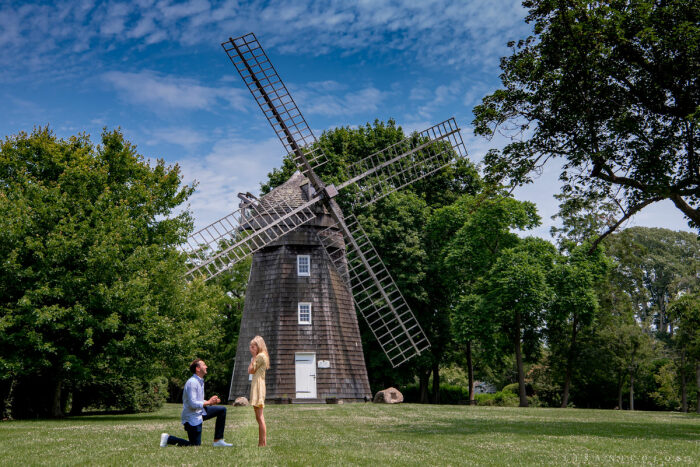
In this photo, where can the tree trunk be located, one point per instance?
(519, 363)
(619, 392)
(470, 372)
(423, 381)
(76, 406)
(569, 364)
(631, 391)
(436, 383)
(697, 380)
(9, 400)
(56, 409)
(684, 389)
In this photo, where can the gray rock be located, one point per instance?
(241, 402)
(388, 396)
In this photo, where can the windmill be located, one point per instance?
(312, 259)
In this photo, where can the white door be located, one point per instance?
(305, 364)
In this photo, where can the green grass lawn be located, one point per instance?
(367, 434)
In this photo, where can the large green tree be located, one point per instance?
(685, 313)
(518, 295)
(612, 90)
(94, 303)
(655, 266)
(573, 279)
(465, 239)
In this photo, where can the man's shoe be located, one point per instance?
(163, 440)
(221, 442)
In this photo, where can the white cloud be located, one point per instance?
(358, 101)
(233, 165)
(167, 92)
(428, 32)
(115, 18)
(441, 95)
(185, 137)
(175, 11)
(144, 27)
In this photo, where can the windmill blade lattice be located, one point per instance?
(274, 100)
(376, 296)
(405, 162)
(216, 247)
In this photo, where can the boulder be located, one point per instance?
(388, 396)
(241, 402)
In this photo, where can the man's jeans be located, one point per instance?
(194, 433)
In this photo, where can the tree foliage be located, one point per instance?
(612, 89)
(655, 266)
(94, 302)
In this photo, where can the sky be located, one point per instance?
(156, 69)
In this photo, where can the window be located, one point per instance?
(303, 265)
(304, 313)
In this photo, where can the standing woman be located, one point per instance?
(258, 364)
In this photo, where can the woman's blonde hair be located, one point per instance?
(262, 349)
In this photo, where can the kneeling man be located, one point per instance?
(194, 412)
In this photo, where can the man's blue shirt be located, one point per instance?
(193, 401)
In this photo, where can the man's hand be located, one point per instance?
(213, 400)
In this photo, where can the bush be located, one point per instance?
(514, 388)
(501, 399)
(125, 395)
(449, 394)
(411, 393)
(452, 394)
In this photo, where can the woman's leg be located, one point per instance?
(262, 429)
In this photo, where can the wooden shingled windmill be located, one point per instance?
(313, 266)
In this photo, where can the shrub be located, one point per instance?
(129, 395)
(514, 388)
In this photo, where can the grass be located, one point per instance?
(366, 434)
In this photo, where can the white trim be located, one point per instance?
(299, 265)
(299, 306)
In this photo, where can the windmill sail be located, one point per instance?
(376, 296)
(274, 100)
(221, 244)
(403, 163)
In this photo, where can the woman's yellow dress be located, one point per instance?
(257, 386)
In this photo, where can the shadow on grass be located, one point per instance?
(119, 417)
(612, 429)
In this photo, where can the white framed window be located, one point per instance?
(303, 265)
(304, 313)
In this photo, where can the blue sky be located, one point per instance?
(156, 69)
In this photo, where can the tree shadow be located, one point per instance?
(119, 417)
(612, 429)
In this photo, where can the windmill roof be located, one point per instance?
(290, 192)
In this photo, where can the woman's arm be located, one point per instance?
(251, 367)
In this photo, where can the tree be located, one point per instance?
(94, 307)
(464, 240)
(612, 89)
(656, 266)
(686, 312)
(518, 294)
(573, 307)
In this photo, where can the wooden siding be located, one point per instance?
(270, 310)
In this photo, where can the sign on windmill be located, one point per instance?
(313, 266)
